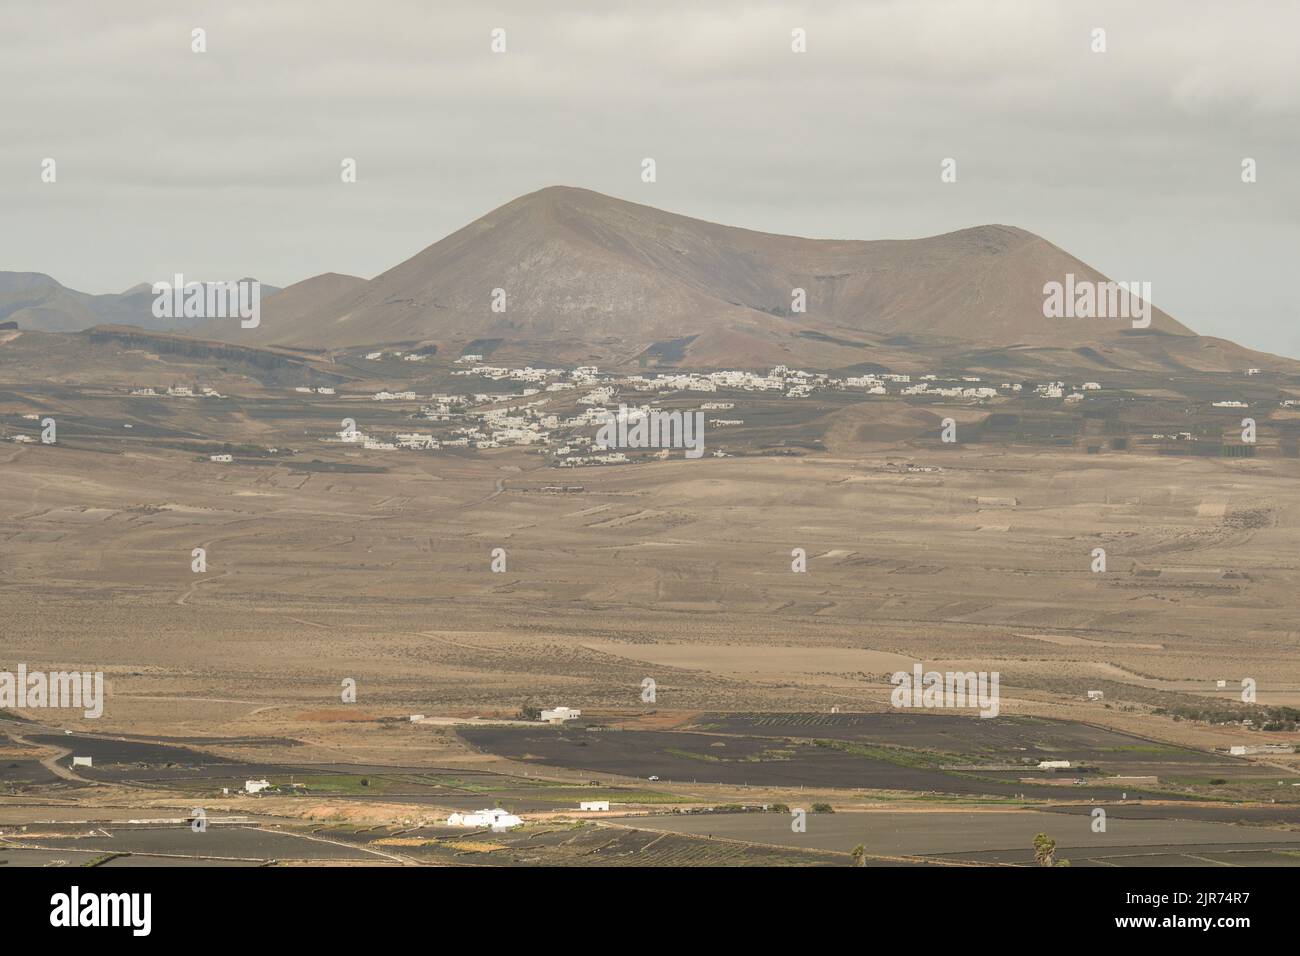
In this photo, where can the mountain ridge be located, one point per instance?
(589, 278)
(622, 276)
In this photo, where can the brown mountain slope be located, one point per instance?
(619, 277)
(294, 305)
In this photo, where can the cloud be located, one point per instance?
(226, 162)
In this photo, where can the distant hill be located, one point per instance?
(589, 278)
(41, 303)
(600, 277)
(296, 304)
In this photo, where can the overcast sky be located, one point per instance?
(226, 163)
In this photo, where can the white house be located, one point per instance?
(1240, 750)
(1095, 695)
(255, 786)
(221, 458)
(594, 805)
(560, 714)
(497, 819)
(1053, 765)
(81, 761)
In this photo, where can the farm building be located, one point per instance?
(1053, 765)
(81, 761)
(497, 819)
(594, 805)
(560, 714)
(255, 786)
(1240, 750)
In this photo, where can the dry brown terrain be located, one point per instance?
(327, 563)
(677, 568)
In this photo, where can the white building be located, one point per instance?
(497, 819)
(222, 458)
(560, 714)
(1053, 765)
(416, 440)
(1239, 750)
(81, 761)
(255, 786)
(1095, 695)
(594, 805)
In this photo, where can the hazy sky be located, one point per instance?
(226, 163)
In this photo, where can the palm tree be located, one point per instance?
(1044, 850)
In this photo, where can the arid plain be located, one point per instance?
(324, 564)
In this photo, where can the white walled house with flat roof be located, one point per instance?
(558, 715)
(497, 819)
(594, 805)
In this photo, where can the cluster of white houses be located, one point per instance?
(486, 420)
(177, 391)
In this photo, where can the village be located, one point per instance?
(532, 415)
(557, 411)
